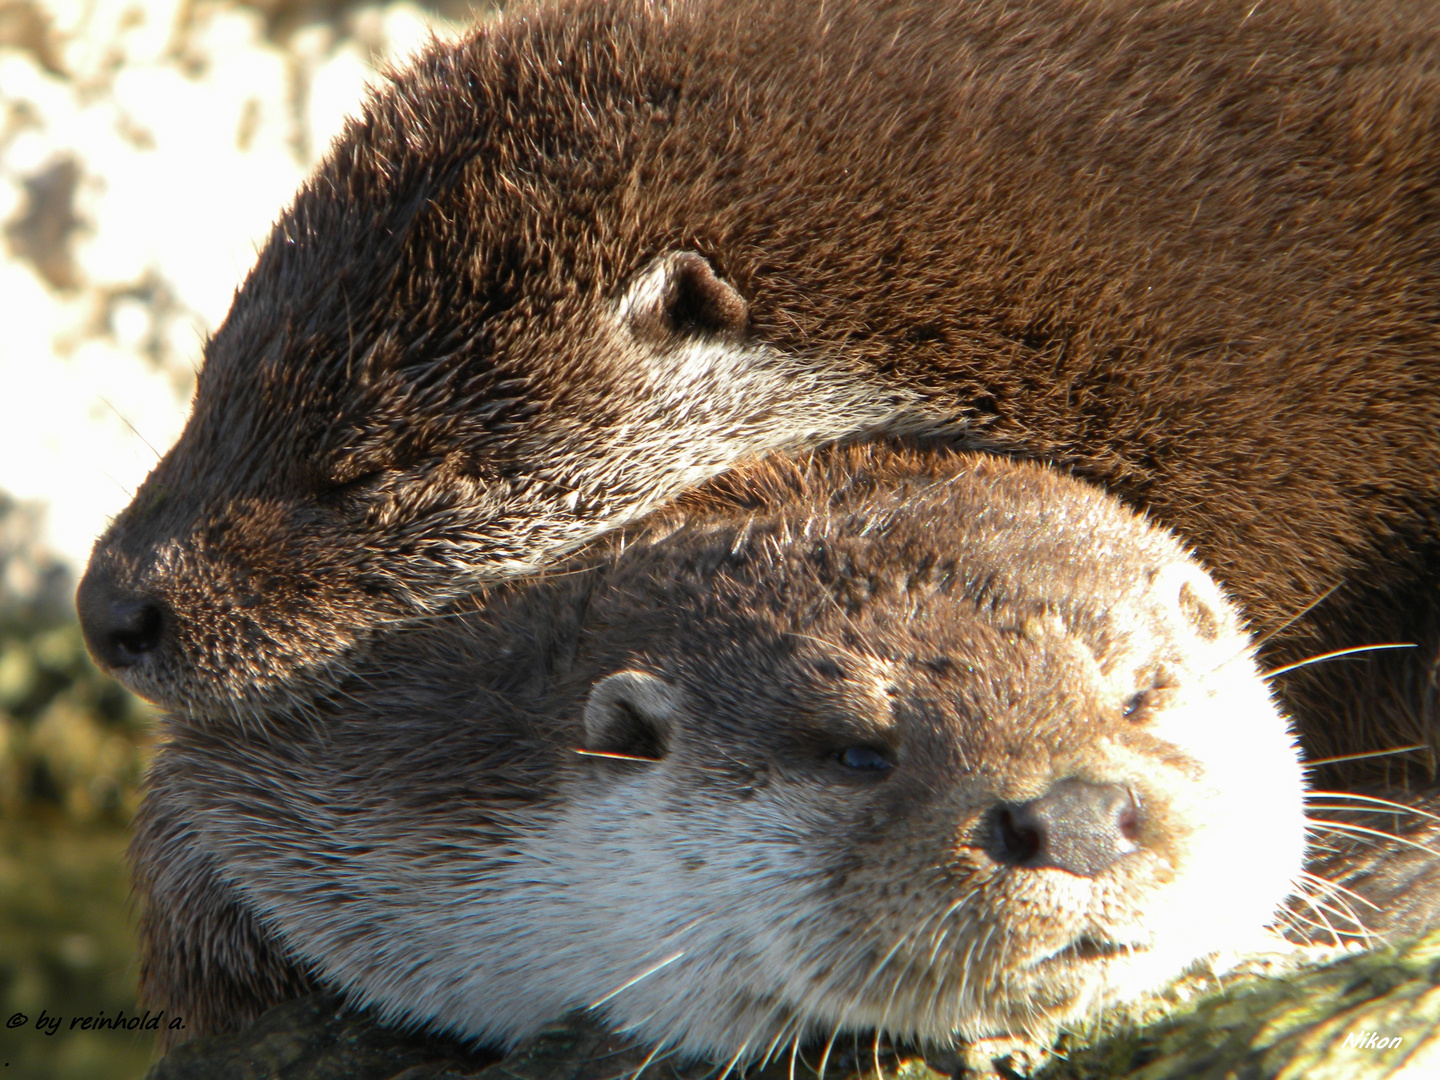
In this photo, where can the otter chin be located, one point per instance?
(938, 746)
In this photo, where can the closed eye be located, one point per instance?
(862, 759)
(1142, 704)
(333, 492)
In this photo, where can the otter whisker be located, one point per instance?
(650, 1058)
(829, 1045)
(933, 1003)
(834, 961)
(631, 982)
(939, 938)
(875, 1048)
(1333, 886)
(952, 922)
(1386, 804)
(1345, 913)
(839, 648)
(613, 757)
(1335, 654)
(935, 918)
(127, 492)
(1350, 808)
(1341, 910)
(900, 976)
(1266, 638)
(1364, 830)
(979, 943)
(1408, 749)
(794, 1053)
(133, 429)
(782, 1032)
(733, 1062)
(838, 969)
(430, 617)
(1323, 924)
(1288, 921)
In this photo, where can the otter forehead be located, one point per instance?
(893, 741)
(934, 571)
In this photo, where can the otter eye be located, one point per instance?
(1134, 704)
(864, 760)
(1157, 695)
(335, 490)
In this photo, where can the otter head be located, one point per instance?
(979, 764)
(950, 747)
(454, 360)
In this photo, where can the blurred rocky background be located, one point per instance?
(145, 148)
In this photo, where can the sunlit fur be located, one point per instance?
(1186, 248)
(435, 845)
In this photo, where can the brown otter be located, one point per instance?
(930, 744)
(599, 251)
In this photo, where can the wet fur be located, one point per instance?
(1184, 249)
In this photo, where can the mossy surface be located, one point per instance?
(1370, 1016)
(1367, 1016)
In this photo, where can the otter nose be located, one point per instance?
(1075, 826)
(120, 627)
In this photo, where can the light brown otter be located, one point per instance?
(600, 251)
(939, 746)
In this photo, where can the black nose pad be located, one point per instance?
(1075, 826)
(120, 628)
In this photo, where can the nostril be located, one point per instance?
(1128, 821)
(136, 627)
(120, 627)
(1019, 841)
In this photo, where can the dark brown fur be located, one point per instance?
(1185, 249)
(994, 628)
(1382, 848)
(203, 956)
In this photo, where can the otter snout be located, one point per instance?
(1076, 826)
(122, 627)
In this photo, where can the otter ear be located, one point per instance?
(680, 293)
(630, 715)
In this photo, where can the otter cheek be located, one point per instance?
(1243, 861)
